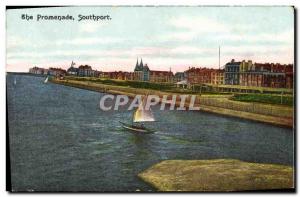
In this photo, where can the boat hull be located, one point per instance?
(136, 130)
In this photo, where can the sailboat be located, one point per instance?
(46, 80)
(15, 81)
(140, 116)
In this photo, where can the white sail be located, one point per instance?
(46, 80)
(15, 81)
(143, 115)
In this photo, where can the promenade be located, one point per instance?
(220, 104)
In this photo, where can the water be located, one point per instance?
(60, 140)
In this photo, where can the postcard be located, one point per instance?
(150, 98)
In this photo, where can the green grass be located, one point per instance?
(132, 84)
(167, 87)
(265, 98)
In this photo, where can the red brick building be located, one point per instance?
(289, 76)
(38, 71)
(120, 75)
(266, 75)
(199, 75)
(57, 72)
(217, 77)
(161, 76)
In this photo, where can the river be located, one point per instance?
(60, 140)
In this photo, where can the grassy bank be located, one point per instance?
(166, 87)
(204, 89)
(131, 84)
(220, 104)
(265, 98)
(217, 175)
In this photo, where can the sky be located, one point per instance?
(165, 38)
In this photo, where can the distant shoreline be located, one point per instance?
(274, 120)
(26, 73)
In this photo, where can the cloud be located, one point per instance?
(27, 45)
(177, 36)
(194, 42)
(198, 24)
(191, 27)
(284, 37)
(14, 42)
(184, 52)
(88, 41)
(203, 28)
(190, 50)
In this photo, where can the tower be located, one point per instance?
(141, 64)
(137, 65)
(72, 64)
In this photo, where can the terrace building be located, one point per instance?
(199, 75)
(104, 75)
(232, 73)
(56, 72)
(161, 76)
(289, 76)
(217, 77)
(87, 71)
(266, 75)
(120, 75)
(38, 71)
(179, 76)
(72, 71)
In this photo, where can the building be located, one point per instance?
(141, 72)
(249, 75)
(104, 75)
(96, 73)
(146, 73)
(289, 76)
(199, 75)
(232, 73)
(46, 71)
(82, 71)
(56, 72)
(161, 76)
(38, 71)
(138, 71)
(217, 77)
(266, 75)
(120, 75)
(87, 71)
(126, 76)
(72, 71)
(179, 76)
